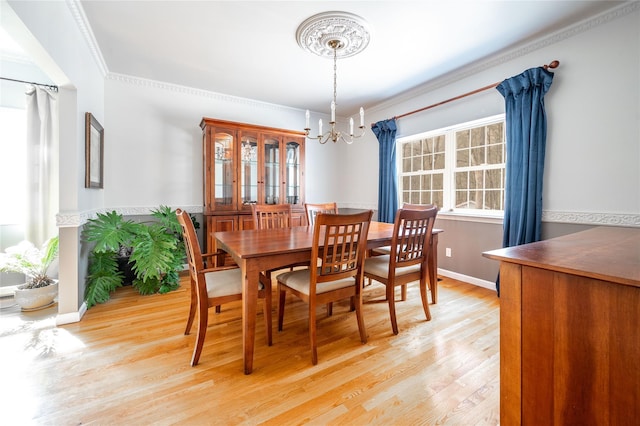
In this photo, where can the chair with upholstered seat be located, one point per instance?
(212, 287)
(312, 209)
(272, 216)
(407, 260)
(387, 249)
(339, 242)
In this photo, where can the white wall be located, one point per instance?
(153, 143)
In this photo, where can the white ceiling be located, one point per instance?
(249, 49)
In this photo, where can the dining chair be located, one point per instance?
(407, 260)
(387, 249)
(312, 210)
(407, 206)
(270, 216)
(212, 287)
(339, 243)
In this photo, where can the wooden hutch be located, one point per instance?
(246, 164)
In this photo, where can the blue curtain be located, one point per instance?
(526, 131)
(385, 131)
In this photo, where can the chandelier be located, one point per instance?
(330, 35)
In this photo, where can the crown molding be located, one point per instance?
(143, 82)
(77, 219)
(83, 25)
(500, 59)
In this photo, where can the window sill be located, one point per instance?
(496, 219)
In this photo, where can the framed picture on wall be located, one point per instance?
(94, 151)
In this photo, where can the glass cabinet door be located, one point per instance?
(271, 161)
(293, 172)
(249, 171)
(223, 170)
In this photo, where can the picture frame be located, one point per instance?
(94, 152)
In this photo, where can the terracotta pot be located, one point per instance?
(36, 298)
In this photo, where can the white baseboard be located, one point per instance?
(71, 317)
(467, 279)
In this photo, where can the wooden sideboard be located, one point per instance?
(570, 329)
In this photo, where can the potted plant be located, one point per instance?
(155, 253)
(40, 290)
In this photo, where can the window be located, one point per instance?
(460, 168)
(13, 173)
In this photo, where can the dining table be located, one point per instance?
(271, 249)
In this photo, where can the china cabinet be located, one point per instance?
(246, 164)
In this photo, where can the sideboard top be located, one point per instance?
(604, 253)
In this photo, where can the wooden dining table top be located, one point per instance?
(258, 243)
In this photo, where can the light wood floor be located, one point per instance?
(127, 362)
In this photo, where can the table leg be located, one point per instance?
(249, 304)
(433, 268)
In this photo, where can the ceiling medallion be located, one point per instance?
(334, 35)
(317, 32)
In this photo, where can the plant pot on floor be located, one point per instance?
(127, 270)
(36, 298)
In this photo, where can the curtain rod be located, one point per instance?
(552, 65)
(50, 86)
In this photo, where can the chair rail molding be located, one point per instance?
(76, 219)
(592, 218)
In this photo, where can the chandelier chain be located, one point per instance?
(335, 77)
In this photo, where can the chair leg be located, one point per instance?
(312, 334)
(329, 309)
(403, 292)
(425, 301)
(361, 328)
(203, 319)
(392, 307)
(192, 309)
(217, 309)
(282, 293)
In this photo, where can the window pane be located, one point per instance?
(426, 182)
(406, 165)
(462, 199)
(416, 148)
(495, 133)
(426, 162)
(406, 185)
(462, 139)
(425, 197)
(416, 164)
(462, 180)
(494, 154)
(493, 179)
(477, 136)
(477, 156)
(439, 161)
(462, 158)
(493, 200)
(415, 183)
(437, 181)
